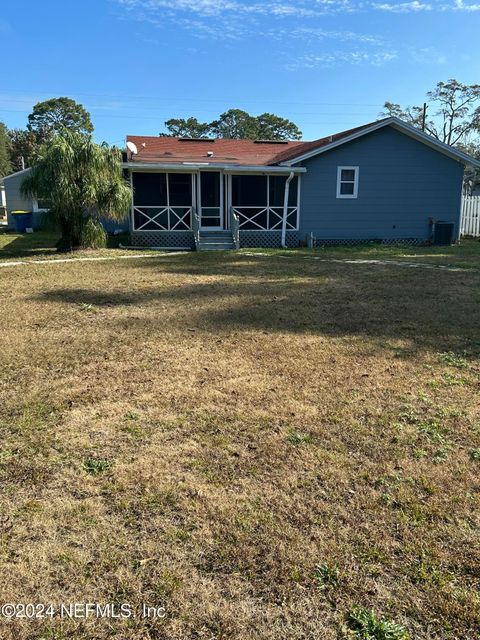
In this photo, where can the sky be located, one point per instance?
(328, 65)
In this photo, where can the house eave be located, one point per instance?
(211, 166)
(14, 175)
(399, 125)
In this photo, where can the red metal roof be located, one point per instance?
(163, 149)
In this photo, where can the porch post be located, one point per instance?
(222, 198)
(228, 178)
(132, 207)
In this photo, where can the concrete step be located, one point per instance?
(215, 246)
(219, 238)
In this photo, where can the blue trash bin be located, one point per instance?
(22, 220)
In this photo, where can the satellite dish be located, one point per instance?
(132, 147)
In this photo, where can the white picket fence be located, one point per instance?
(471, 216)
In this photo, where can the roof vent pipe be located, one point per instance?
(285, 210)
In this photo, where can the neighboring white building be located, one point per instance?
(14, 201)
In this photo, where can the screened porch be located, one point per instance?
(172, 201)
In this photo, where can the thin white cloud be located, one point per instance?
(416, 6)
(427, 55)
(334, 58)
(298, 24)
(404, 7)
(288, 8)
(460, 5)
(293, 8)
(314, 33)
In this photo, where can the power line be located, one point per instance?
(195, 99)
(161, 118)
(158, 116)
(178, 112)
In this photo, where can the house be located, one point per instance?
(14, 201)
(385, 181)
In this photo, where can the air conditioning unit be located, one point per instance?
(443, 233)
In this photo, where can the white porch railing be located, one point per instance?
(265, 218)
(163, 218)
(470, 216)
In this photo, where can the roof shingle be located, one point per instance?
(164, 149)
(235, 152)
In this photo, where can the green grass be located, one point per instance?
(96, 466)
(327, 575)
(365, 625)
(20, 245)
(464, 254)
(42, 244)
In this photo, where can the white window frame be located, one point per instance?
(344, 196)
(36, 208)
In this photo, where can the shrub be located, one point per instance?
(94, 235)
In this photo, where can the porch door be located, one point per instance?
(210, 196)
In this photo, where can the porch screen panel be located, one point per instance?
(277, 191)
(258, 201)
(150, 198)
(250, 200)
(162, 201)
(277, 197)
(150, 189)
(180, 200)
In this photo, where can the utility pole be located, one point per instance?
(22, 162)
(424, 118)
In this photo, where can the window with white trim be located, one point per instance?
(40, 205)
(347, 182)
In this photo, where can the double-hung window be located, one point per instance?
(347, 182)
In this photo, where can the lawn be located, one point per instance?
(18, 245)
(268, 447)
(40, 245)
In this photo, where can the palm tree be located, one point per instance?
(83, 182)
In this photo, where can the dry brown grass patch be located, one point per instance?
(203, 432)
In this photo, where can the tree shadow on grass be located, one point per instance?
(94, 297)
(39, 243)
(429, 309)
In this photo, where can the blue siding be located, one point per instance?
(402, 184)
(110, 226)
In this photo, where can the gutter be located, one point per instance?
(285, 209)
(227, 168)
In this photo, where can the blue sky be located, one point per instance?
(326, 64)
